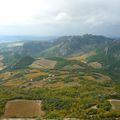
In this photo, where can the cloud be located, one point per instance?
(62, 16)
(59, 17)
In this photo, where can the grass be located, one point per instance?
(115, 104)
(95, 65)
(43, 64)
(23, 109)
(64, 93)
(23, 63)
(13, 83)
(83, 57)
(34, 75)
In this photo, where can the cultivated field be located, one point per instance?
(43, 64)
(13, 83)
(115, 104)
(23, 109)
(83, 57)
(103, 77)
(33, 75)
(1, 62)
(95, 65)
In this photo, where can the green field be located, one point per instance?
(115, 104)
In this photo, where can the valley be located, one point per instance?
(71, 77)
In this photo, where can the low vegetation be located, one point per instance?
(82, 83)
(64, 93)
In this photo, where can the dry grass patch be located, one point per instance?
(88, 77)
(56, 85)
(103, 77)
(69, 67)
(34, 71)
(33, 75)
(1, 63)
(83, 57)
(95, 65)
(13, 83)
(42, 63)
(23, 109)
(36, 84)
(5, 75)
(115, 104)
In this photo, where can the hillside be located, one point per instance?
(109, 57)
(70, 89)
(63, 46)
(23, 63)
(87, 48)
(68, 45)
(72, 77)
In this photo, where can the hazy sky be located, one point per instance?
(59, 17)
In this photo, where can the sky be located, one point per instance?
(59, 17)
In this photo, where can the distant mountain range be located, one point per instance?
(107, 50)
(10, 38)
(73, 76)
